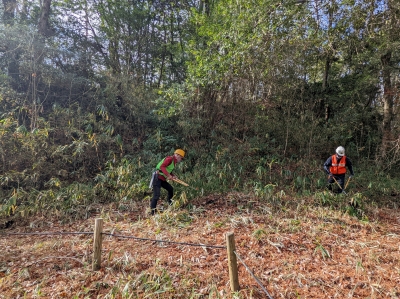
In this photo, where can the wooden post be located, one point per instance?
(232, 262)
(97, 241)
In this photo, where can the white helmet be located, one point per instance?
(340, 151)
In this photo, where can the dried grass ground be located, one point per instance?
(296, 250)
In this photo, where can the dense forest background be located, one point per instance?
(259, 93)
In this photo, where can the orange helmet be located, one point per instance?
(180, 152)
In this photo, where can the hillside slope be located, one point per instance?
(295, 249)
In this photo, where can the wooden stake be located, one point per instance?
(232, 262)
(97, 242)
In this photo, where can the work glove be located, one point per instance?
(351, 176)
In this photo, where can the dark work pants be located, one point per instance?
(340, 179)
(157, 184)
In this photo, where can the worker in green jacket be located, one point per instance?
(163, 173)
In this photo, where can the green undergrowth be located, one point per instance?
(126, 182)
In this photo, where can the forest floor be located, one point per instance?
(294, 249)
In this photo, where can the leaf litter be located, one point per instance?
(295, 253)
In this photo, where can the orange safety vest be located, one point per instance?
(338, 168)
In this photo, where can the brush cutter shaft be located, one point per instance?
(347, 183)
(344, 192)
(180, 182)
(337, 182)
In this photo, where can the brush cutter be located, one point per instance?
(155, 174)
(348, 180)
(185, 184)
(180, 182)
(344, 192)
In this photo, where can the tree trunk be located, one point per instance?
(205, 7)
(39, 52)
(388, 96)
(12, 51)
(43, 26)
(328, 62)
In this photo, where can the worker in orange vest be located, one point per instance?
(335, 167)
(163, 172)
